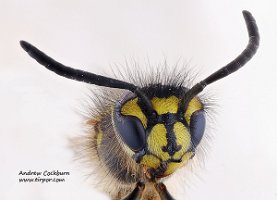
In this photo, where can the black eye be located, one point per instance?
(131, 131)
(197, 126)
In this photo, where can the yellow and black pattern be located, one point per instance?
(169, 140)
(113, 163)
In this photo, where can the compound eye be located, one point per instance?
(197, 126)
(131, 131)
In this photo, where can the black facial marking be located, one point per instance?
(157, 173)
(164, 91)
(171, 146)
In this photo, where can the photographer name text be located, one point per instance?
(45, 176)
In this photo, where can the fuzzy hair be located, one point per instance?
(101, 101)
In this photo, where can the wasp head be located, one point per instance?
(168, 136)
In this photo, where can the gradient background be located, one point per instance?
(38, 109)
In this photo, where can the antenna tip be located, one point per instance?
(25, 45)
(245, 12)
(247, 15)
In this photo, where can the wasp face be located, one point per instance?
(167, 139)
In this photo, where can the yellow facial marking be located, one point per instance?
(150, 161)
(132, 108)
(156, 140)
(193, 106)
(182, 138)
(172, 167)
(165, 105)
